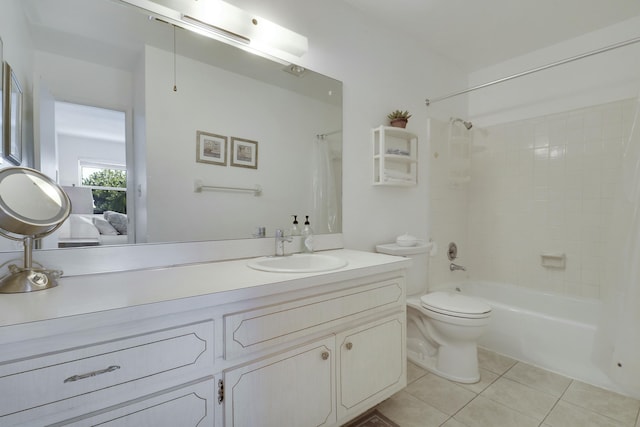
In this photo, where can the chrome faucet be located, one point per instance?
(280, 239)
(454, 267)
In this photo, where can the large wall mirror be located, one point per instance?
(234, 121)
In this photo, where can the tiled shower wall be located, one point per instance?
(539, 185)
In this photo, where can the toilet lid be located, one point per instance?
(455, 304)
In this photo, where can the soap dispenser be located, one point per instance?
(295, 229)
(307, 236)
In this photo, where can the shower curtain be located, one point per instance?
(325, 200)
(617, 346)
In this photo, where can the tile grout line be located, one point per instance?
(556, 404)
(478, 394)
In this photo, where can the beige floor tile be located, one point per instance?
(483, 412)
(522, 398)
(538, 378)
(568, 415)
(452, 422)
(408, 411)
(486, 379)
(604, 402)
(494, 362)
(414, 372)
(442, 394)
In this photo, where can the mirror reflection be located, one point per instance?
(264, 123)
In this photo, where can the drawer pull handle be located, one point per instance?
(325, 355)
(91, 374)
(349, 346)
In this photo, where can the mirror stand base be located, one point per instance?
(22, 280)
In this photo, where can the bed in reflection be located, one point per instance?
(84, 228)
(109, 228)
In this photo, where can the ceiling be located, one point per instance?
(477, 33)
(472, 33)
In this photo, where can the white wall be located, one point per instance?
(82, 82)
(72, 149)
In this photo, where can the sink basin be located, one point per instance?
(298, 263)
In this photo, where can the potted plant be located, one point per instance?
(399, 118)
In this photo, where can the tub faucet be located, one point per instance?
(280, 239)
(454, 267)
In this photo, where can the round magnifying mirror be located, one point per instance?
(31, 206)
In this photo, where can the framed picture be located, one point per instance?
(12, 118)
(211, 148)
(244, 153)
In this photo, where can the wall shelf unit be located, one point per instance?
(395, 156)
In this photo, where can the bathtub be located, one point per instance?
(550, 331)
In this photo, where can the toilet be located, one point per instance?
(443, 326)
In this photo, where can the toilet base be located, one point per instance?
(419, 356)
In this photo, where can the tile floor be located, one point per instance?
(509, 394)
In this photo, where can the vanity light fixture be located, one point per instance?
(294, 69)
(229, 24)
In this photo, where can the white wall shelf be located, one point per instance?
(395, 157)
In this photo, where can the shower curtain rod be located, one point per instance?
(535, 70)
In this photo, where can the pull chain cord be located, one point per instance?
(175, 87)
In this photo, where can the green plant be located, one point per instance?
(108, 199)
(399, 114)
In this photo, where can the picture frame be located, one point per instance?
(211, 148)
(244, 153)
(12, 116)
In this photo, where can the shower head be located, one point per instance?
(468, 125)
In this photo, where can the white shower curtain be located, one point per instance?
(323, 184)
(617, 346)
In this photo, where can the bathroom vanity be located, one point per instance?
(208, 344)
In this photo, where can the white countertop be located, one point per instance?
(222, 282)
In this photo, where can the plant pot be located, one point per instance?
(399, 123)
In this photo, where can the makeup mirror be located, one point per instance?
(32, 206)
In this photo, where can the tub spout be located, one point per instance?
(454, 267)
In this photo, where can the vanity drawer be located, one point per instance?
(56, 377)
(189, 406)
(257, 329)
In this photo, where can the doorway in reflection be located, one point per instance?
(92, 168)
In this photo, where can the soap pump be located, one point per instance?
(307, 236)
(295, 230)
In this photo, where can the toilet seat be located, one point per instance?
(454, 304)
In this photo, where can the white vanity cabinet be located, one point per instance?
(371, 363)
(277, 350)
(187, 406)
(344, 352)
(295, 388)
(68, 376)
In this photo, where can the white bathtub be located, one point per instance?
(550, 331)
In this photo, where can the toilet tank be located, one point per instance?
(418, 273)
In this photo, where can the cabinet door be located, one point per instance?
(372, 363)
(192, 405)
(295, 388)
